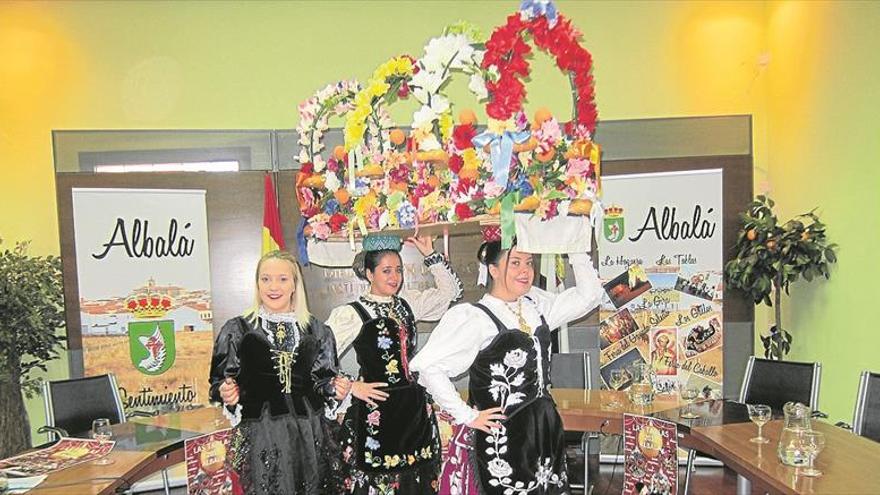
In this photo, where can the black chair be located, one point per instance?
(866, 419)
(71, 406)
(773, 383)
(572, 370)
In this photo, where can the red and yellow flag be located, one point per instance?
(273, 237)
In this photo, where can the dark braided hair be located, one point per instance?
(369, 260)
(491, 253)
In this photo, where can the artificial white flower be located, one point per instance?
(478, 86)
(515, 358)
(331, 181)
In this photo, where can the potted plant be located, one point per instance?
(769, 256)
(31, 314)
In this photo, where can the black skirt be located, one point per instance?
(286, 454)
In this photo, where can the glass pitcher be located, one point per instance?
(797, 421)
(641, 391)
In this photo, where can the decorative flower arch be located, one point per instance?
(505, 61)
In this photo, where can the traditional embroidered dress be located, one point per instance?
(284, 373)
(394, 447)
(505, 347)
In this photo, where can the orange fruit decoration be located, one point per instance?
(397, 137)
(542, 115)
(342, 195)
(339, 152)
(467, 116)
(548, 156)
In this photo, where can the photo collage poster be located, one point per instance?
(661, 263)
(145, 293)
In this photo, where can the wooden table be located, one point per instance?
(850, 464)
(592, 410)
(143, 446)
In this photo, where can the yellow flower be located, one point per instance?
(411, 459)
(364, 204)
(391, 367)
(471, 160)
(392, 461)
(499, 126)
(446, 124)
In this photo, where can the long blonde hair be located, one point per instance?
(298, 299)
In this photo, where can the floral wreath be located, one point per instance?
(505, 61)
(389, 79)
(459, 49)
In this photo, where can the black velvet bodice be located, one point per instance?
(243, 351)
(513, 370)
(386, 342)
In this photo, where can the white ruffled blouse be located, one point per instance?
(427, 305)
(465, 330)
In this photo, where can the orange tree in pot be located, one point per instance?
(769, 256)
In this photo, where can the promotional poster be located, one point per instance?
(660, 257)
(145, 293)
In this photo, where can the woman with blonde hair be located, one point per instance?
(274, 368)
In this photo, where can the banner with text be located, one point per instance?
(144, 289)
(660, 257)
(650, 449)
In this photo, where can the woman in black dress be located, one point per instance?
(274, 368)
(391, 440)
(513, 436)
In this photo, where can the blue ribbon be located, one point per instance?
(500, 151)
(536, 8)
(302, 247)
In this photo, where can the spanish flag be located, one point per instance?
(273, 238)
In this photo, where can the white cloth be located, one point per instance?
(427, 305)
(561, 234)
(465, 329)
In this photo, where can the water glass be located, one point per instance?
(811, 443)
(617, 380)
(760, 414)
(689, 395)
(102, 432)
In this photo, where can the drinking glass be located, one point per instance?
(617, 379)
(811, 443)
(760, 414)
(689, 395)
(102, 432)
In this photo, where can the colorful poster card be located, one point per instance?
(207, 458)
(650, 456)
(65, 453)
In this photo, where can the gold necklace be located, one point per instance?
(523, 326)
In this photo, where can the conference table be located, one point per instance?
(849, 462)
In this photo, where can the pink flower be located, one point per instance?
(492, 189)
(321, 230)
(577, 167)
(373, 418)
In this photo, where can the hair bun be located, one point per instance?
(358, 265)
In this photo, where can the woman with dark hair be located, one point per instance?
(392, 445)
(275, 367)
(514, 438)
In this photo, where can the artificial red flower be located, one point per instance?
(463, 135)
(337, 221)
(455, 163)
(463, 211)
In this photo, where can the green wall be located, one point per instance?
(157, 65)
(824, 152)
